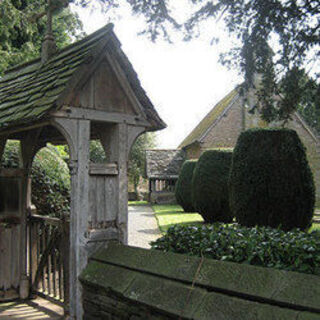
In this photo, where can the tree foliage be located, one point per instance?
(291, 28)
(309, 107)
(50, 178)
(22, 29)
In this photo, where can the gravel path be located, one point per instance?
(143, 226)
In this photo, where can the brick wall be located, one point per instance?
(227, 130)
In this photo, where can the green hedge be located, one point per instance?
(184, 185)
(271, 183)
(50, 178)
(210, 193)
(261, 246)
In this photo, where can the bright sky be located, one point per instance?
(184, 80)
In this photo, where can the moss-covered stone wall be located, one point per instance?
(123, 282)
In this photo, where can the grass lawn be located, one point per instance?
(137, 203)
(315, 226)
(169, 215)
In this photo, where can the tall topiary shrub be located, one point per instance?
(184, 184)
(271, 183)
(210, 185)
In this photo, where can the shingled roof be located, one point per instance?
(210, 119)
(164, 164)
(29, 91)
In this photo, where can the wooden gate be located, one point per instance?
(10, 232)
(49, 257)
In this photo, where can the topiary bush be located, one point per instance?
(271, 183)
(261, 246)
(210, 186)
(50, 178)
(184, 185)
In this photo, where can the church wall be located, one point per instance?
(227, 130)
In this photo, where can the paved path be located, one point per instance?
(143, 226)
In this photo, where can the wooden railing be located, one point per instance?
(49, 257)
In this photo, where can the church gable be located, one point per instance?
(225, 132)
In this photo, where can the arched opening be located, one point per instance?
(49, 224)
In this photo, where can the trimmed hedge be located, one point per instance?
(184, 184)
(210, 193)
(260, 246)
(271, 183)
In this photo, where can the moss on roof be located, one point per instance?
(209, 120)
(30, 90)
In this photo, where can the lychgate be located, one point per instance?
(85, 91)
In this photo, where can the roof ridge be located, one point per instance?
(196, 132)
(223, 112)
(108, 27)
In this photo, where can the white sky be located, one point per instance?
(184, 80)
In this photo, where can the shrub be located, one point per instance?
(261, 246)
(10, 157)
(50, 183)
(50, 178)
(271, 183)
(184, 184)
(210, 185)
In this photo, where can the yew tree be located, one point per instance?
(279, 39)
(23, 26)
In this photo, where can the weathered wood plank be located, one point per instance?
(125, 84)
(100, 199)
(103, 169)
(122, 217)
(29, 147)
(79, 213)
(33, 249)
(111, 206)
(92, 199)
(99, 116)
(15, 254)
(7, 253)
